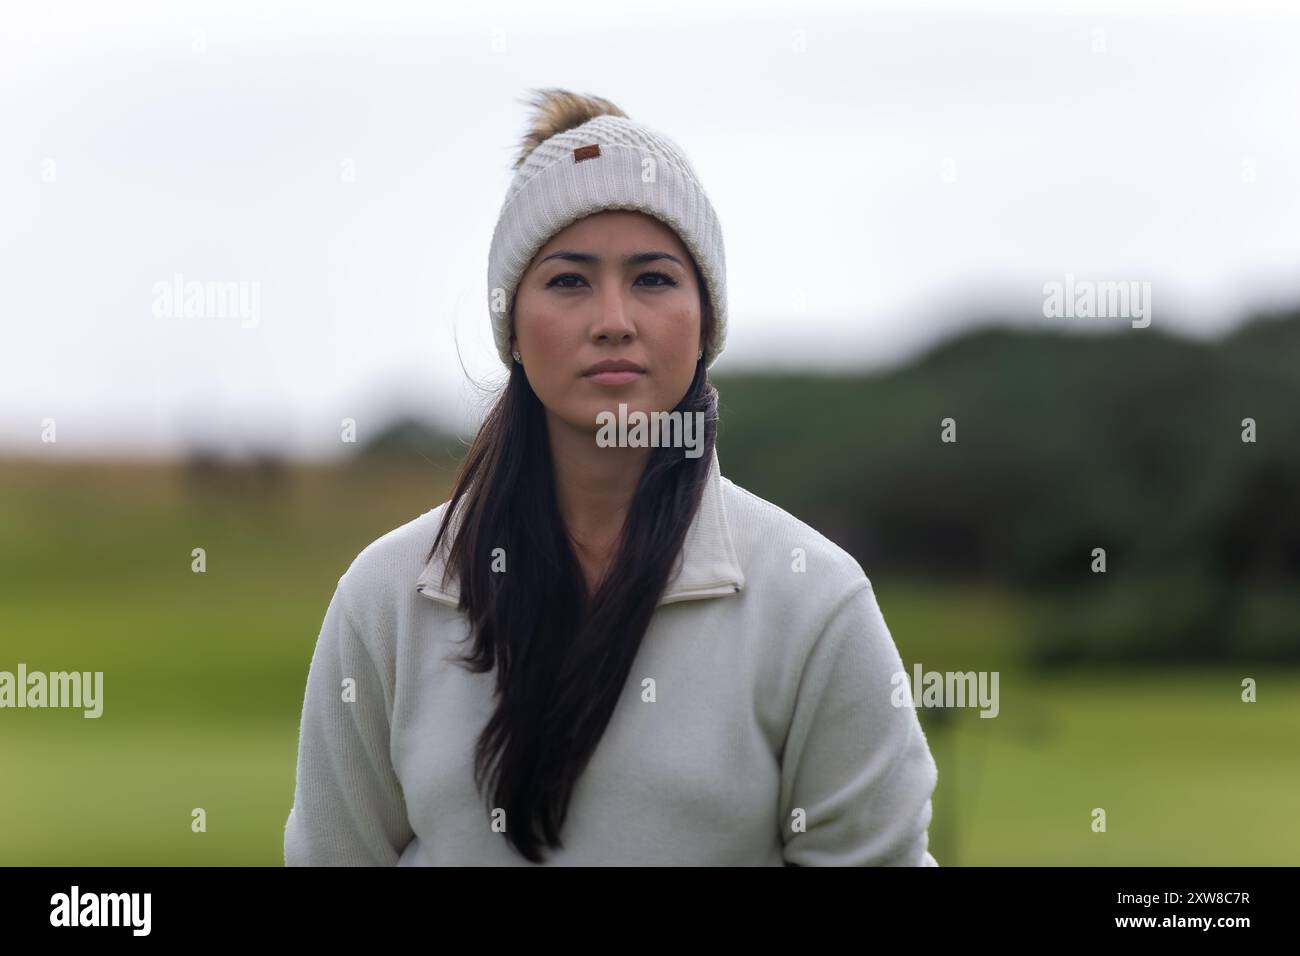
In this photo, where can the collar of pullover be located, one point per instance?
(706, 565)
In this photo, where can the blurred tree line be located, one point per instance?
(1131, 442)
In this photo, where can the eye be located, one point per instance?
(562, 281)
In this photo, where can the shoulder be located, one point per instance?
(784, 554)
(810, 609)
(387, 568)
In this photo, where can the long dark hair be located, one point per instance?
(562, 657)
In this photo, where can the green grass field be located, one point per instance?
(204, 675)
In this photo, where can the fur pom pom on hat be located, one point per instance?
(583, 154)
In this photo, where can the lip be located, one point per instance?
(613, 372)
(613, 365)
(614, 376)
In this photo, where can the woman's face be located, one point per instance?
(616, 285)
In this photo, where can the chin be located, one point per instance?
(633, 403)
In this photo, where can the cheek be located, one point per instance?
(546, 338)
(676, 349)
(549, 335)
(678, 338)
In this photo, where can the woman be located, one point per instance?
(601, 651)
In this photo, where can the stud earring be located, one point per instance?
(516, 355)
(700, 356)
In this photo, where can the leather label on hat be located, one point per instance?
(586, 152)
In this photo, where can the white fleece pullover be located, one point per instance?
(756, 726)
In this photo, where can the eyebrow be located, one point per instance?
(635, 259)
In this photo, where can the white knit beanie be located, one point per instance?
(594, 162)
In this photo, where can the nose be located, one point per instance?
(613, 324)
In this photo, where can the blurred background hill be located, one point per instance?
(1131, 443)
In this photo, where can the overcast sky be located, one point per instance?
(883, 172)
